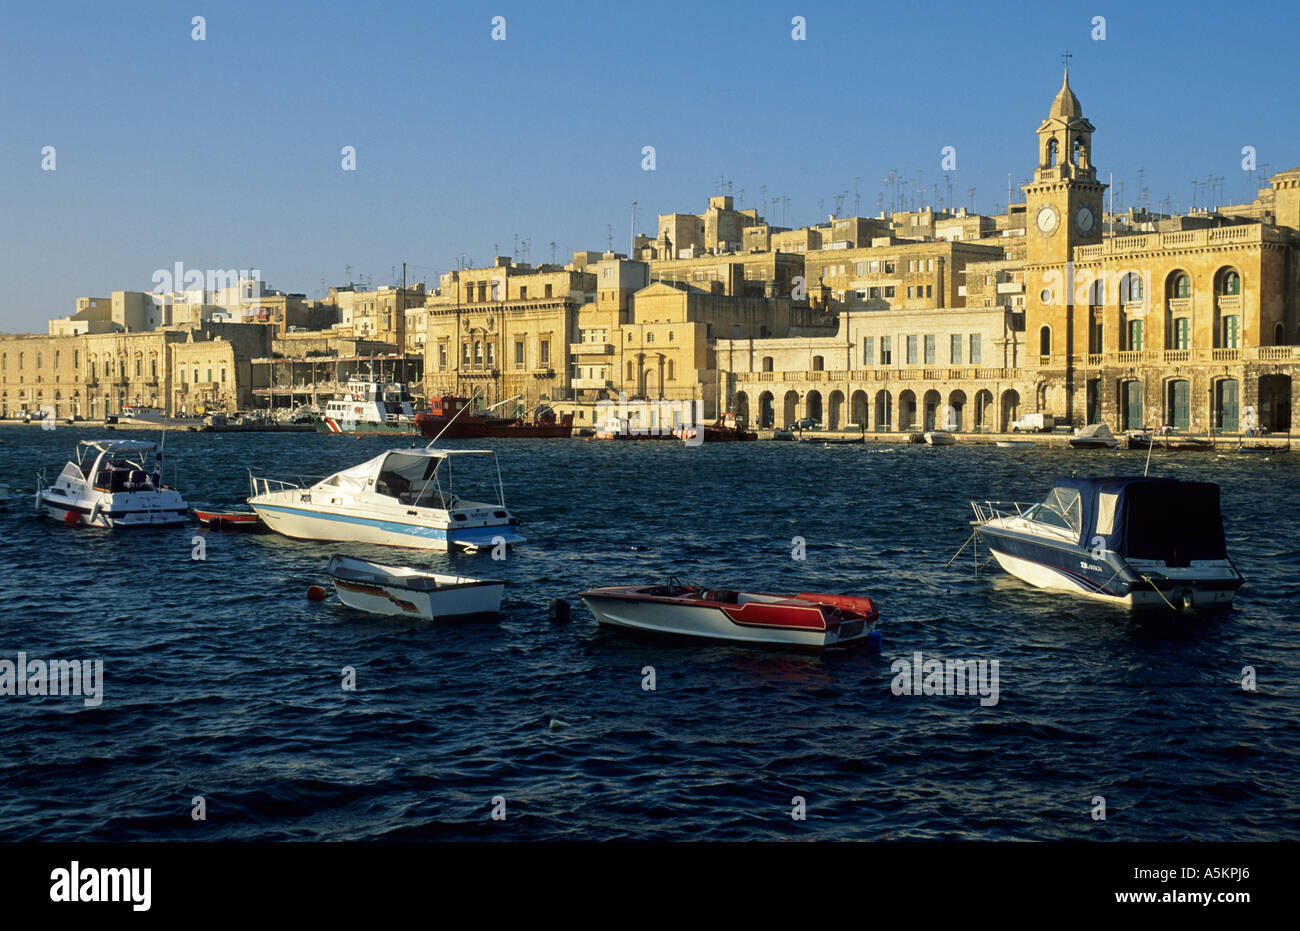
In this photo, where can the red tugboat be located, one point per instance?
(449, 412)
(729, 428)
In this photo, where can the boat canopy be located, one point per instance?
(119, 446)
(1140, 518)
(1095, 430)
(398, 471)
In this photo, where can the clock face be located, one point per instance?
(1084, 219)
(1047, 219)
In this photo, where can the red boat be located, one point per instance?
(230, 520)
(729, 428)
(808, 620)
(471, 423)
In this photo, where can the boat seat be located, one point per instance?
(723, 596)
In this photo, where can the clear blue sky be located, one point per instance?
(226, 153)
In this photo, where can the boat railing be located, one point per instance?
(986, 511)
(265, 485)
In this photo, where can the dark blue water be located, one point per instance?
(223, 681)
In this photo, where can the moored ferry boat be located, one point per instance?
(1132, 541)
(440, 499)
(372, 407)
(113, 483)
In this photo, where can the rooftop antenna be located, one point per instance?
(552, 252)
(972, 200)
(609, 238)
(857, 197)
(631, 254)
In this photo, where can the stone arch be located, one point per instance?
(1274, 413)
(983, 405)
(766, 410)
(791, 402)
(1010, 409)
(813, 406)
(906, 409)
(956, 419)
(884, 410)
(742, 405)
(931, 403)
(835, 410)
(858, 413)
(1045, 341)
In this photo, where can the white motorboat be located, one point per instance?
(113, 483)
(1130, 541)
(807, 620)
(940, 438)
(1014, 444)
(401, 590)
(1094, 436)
(440, 499)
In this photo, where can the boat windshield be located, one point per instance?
(1060, 509)
(441, 481)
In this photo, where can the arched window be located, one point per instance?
(767, 362)
(818, 363)
(1279, 335)
(1045, 341)
(1051, 153)
(1077, 148)
(1182, 286)
(1229, 283)
(1130, 289)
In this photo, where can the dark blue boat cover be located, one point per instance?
(1150, 518)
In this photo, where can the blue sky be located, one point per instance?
(226, 152)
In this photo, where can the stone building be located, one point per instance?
(896, 370)
(1193, 328)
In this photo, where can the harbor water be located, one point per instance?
(222, 681)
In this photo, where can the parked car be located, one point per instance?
(1034, 423)
(807, 423)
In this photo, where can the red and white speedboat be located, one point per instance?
(806, 620)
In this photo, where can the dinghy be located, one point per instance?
(401, 590)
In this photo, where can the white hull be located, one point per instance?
(1047, 578)
(110, 514)
(708, 623)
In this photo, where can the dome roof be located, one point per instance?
(1066, 104)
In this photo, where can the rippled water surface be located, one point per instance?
(223, 681)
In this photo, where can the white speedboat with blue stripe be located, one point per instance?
(435, 499)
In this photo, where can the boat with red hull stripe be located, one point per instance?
(807, 620)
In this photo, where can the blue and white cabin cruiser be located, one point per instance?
(1130, 541)
(113, 483)
(436, 499)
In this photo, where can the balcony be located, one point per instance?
(1178, 355)
(591, 349)
(597, 383)
(1226, 355)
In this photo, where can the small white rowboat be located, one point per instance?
(401, 590)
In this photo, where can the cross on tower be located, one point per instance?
(1065, 59)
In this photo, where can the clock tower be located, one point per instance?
(1062, 210)
(1063, 204)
